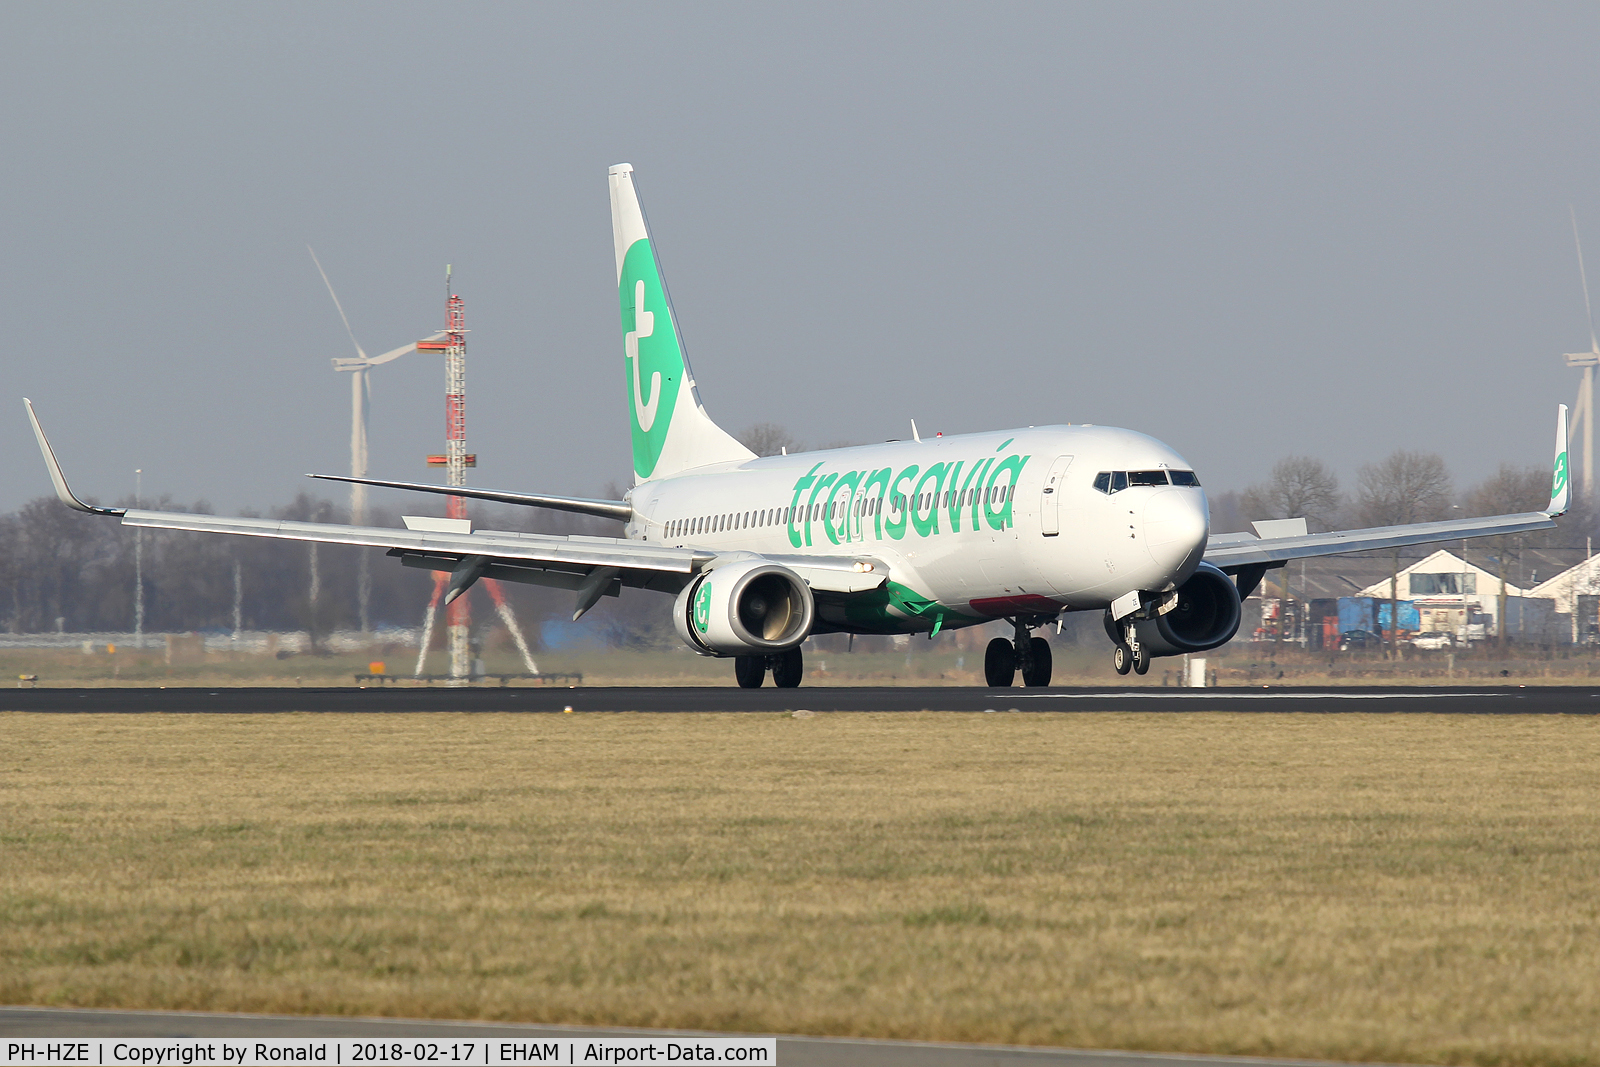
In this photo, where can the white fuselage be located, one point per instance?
(971, 527)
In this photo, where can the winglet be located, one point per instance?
(1561, 481)
(55, 470)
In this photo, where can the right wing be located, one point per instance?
(594, 566)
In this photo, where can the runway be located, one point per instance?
(1488, 700)
(792, 1051)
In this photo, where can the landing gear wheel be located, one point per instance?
(1141, 662)
(751, 671)
(999, 663)
(1037, 672)
(787, 667)
(1122, 658)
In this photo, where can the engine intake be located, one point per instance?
(1206, 615)
(744, 608)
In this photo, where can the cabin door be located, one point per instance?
(1050, 498)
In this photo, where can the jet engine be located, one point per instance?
(1205, 616)
(745, 608)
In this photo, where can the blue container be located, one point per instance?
(1372, 614)
(1355, 613)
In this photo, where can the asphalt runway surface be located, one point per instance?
(792, 1051)
(1488, 700)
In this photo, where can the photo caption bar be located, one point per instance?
(345, 1052)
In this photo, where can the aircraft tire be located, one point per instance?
(750, 671)
(1122, 658)
(999, 664)
(788, 668)
(1141, 662)
(1037, 673)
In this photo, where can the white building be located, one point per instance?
(1445, 588)
(1576, 593)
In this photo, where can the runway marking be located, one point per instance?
(1147, 694)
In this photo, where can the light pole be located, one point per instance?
(138, 563)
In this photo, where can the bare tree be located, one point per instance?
(768, 439)
(1404, 488)
(1299, 487)
(1511, 490)
(1508, 491)
(1227, 512)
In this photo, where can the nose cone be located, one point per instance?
(1175, 529)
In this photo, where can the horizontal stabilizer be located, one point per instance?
(605, 509)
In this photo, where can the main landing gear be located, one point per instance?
(1030, 655)
(787, 669)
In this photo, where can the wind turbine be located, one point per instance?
(360, 402)
(1584, 409)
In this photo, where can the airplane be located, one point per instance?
(907, 537)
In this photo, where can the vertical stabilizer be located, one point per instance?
(671, 430)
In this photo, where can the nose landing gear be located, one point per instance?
(1030, 655)
(1128, 654)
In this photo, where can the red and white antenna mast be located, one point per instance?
(458, 625)
(456, 460)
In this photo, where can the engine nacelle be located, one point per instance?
(745, 608)
(1206, 615)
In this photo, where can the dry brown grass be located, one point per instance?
(1404, 888)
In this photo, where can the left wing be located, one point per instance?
(1249, 557)
(1232, 551)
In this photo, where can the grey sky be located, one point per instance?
(1247, 229)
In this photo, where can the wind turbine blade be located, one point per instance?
(1594, 343)
(396, 353)
(352, 333)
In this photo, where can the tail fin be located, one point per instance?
(671, 430)
(1561, 482)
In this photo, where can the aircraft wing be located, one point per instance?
(1234, 551)
(593, 566)
(438, 541)
(1249, 557)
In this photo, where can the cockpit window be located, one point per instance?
(1116, 481)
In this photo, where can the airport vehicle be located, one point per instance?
(1433, 641)
(914, 536)
(1359, 640)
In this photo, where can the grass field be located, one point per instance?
(1404, 888)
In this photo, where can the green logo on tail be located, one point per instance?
(654, 361)
(1560, 482)
(702, 608)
